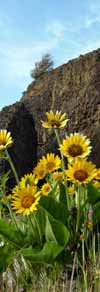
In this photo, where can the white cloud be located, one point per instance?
(59, 29)
(91, 20)
(56, 28)
(93, 14)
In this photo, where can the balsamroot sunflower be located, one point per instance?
(55, 120)
(47, 164)
(40, 170)
(71, 190)
(58, 175)
(28, 179)
(96, 183)
(53, 162)
(5, 140)
(81, 171)
(45, 189)
(75, 146)
(25, 200)
(98, 174)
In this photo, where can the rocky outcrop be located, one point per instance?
(73, 88)
(20, 123)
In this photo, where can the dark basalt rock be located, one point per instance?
(20, 123)
(73, 88)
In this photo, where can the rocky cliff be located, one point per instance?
(19, 122)
(73, 88)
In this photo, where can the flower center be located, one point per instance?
(75, 150)
(50, 165)
(41, 173)
(55, 124)
(80, 175)
(2, 142)
(46, 188)
(27, 201)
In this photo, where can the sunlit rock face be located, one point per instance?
(73, 88)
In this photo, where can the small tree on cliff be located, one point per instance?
(43, 66)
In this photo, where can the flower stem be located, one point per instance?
(31, 224)
(63, 161)
(78, 208)
(73, 270)
(12, 166)
(83, 268)
(59, 142)
(13, 216)
(33, 227)
(38, 228)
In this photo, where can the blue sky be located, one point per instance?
(31, 28)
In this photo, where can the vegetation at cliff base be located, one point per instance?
(50, 222)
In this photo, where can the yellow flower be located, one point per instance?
(97, 273)
(71, 190)
(89, 224)
(5, 139)
(53, 162)
(98, 174)
(25, 200)
(6, 199)
(82, 237)
(74, 146)
(96, 183)
(28, 179)
(81, 171)
(58, 175)
(55, 120)
(45, 189)
(40, 170)
(47, 164)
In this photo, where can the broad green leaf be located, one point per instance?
(56, 231)
(47, 254)
(93, 194)
(41, 220)
(57, 209)
(56, 235)
(49, 232)
(10, 233)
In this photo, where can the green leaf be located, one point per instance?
(49, 232)
(93, 194)
(4, 178)
(47, 254)
(57, 209)
(63, 194)
(11, 234)
(57, 236)
(96, 213)
(2, 155)
(56, 231)
(6, 256)
(41, 219)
